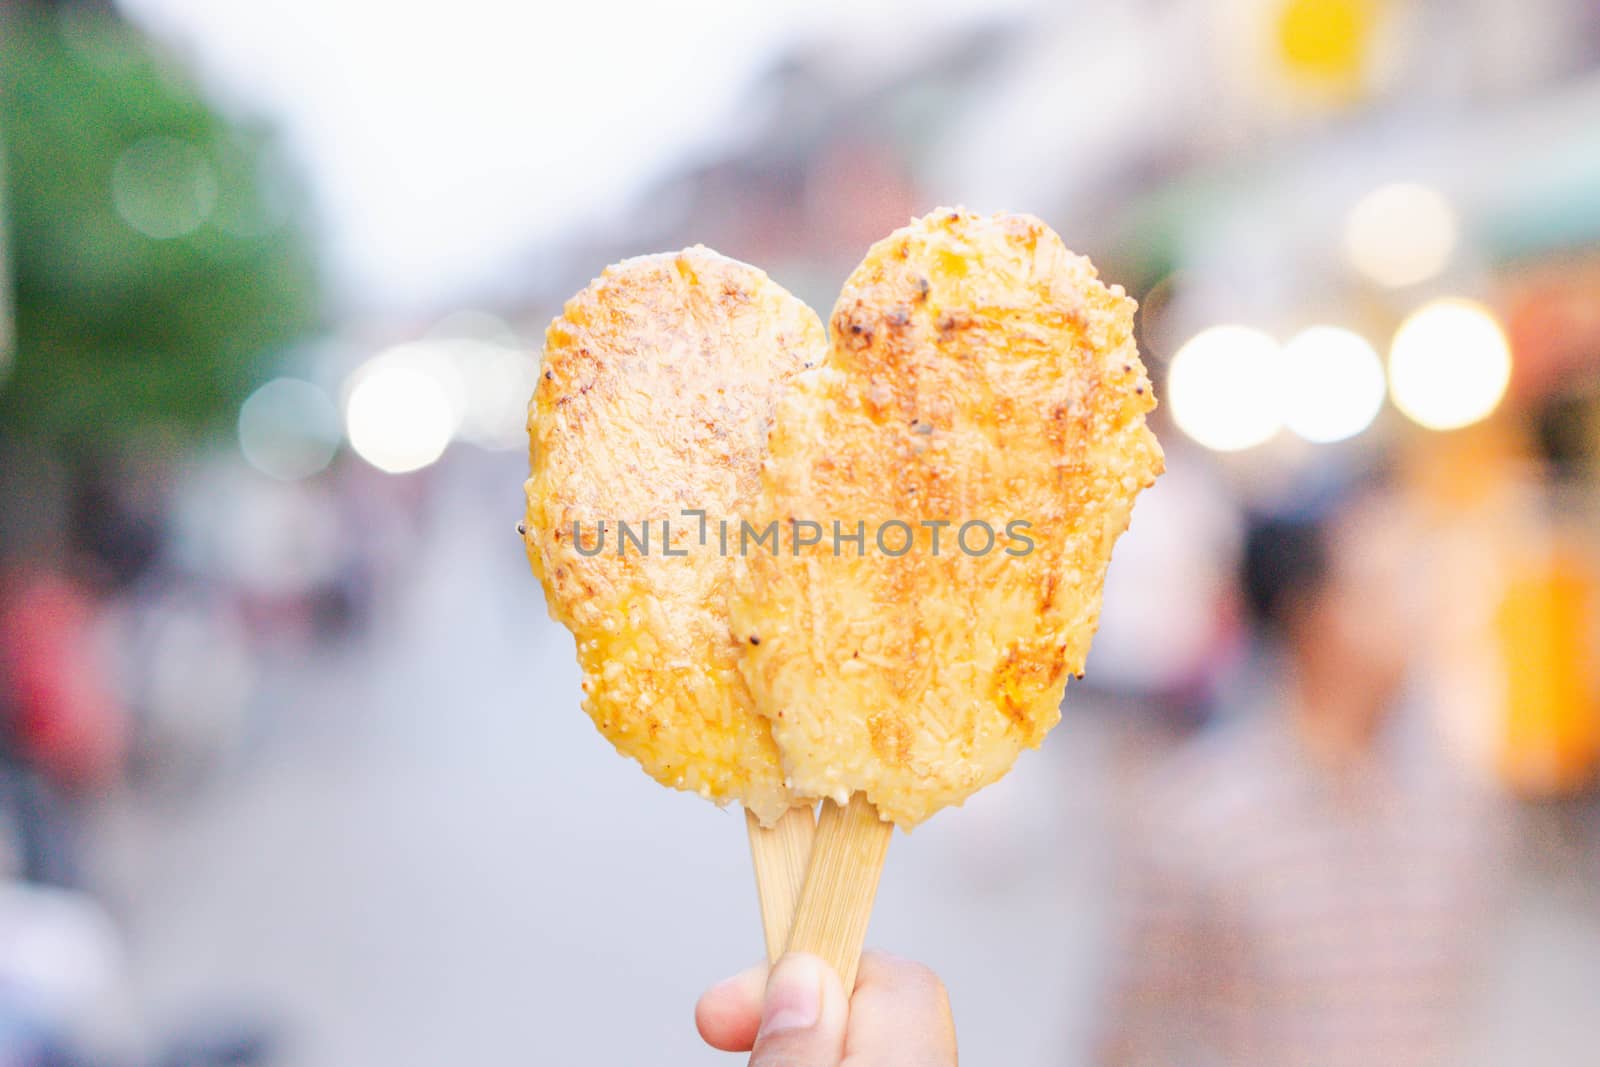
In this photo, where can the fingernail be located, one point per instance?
(794, 995)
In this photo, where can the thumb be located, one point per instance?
(803, 1016)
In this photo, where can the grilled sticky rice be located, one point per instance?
(654, 396)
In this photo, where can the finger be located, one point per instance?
(803, 1016)
(728, 1013)
(899, 1016)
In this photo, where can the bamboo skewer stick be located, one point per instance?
(780, 856)
(841, 882)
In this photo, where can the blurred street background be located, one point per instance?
(292, 768)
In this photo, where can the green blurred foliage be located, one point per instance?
(118, 329)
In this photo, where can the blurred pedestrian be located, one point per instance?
(62, 715)
(1308, 882)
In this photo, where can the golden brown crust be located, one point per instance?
(978, 371)
(655, 392)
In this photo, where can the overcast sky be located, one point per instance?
(441, 138)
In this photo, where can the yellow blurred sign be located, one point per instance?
(1326, 41)
(1546, 629)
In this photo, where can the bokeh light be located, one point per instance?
(1333, 384)
(1401, 234)
(163, 187)
(433, 360)
(398, 417)
(1325, 39)
(1223, 388)
(485, 383)
(288, 429)
(1449, 364)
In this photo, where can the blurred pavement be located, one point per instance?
(430, 856)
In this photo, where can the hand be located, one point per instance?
(899, 1015)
